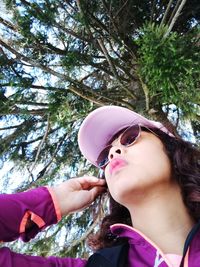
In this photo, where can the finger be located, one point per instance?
(90, 181)
(87, 197)
(96, 191)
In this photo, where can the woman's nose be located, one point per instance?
(114, 151)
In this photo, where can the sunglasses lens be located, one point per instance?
(103, 157)
(130, 135)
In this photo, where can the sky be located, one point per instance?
(3, 11)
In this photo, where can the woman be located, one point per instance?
(153, 178)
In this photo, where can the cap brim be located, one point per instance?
(101, 124)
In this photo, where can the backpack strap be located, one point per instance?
(116, 256)
(189, 239)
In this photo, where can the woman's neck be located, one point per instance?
(163, 218)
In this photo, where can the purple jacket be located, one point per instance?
(39, 205)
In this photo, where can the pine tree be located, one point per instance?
(59, 60)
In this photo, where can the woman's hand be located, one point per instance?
(78, 193)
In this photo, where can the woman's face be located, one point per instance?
(137, 170)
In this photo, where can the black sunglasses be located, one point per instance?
(128, 138)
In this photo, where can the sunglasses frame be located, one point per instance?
(138, 136)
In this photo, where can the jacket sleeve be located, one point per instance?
(37, 208)
(12, 259)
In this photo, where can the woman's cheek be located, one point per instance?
(106, 172)
(106, 176)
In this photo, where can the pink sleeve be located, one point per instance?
(12, 259)
(38, 206)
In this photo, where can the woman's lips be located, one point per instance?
(116, 164)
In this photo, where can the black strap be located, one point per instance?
(110, 257)
(188, 240)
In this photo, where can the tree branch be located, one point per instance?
(45, 169)
(23, 102)
(146, 92)
(8, 24)
(34, 140)
(153, 10)
(85, 235)
(107, 56)
(9, 128)
(40, 146)
(87, 92)
(175, 18)
(166, 13)
(121, 8)
(111, 18)
(39, 112)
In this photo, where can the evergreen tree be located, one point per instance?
(61, 59)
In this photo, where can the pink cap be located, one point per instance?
(102, 123)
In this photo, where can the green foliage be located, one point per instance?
(71, 60)
(170, 66)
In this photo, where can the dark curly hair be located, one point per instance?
(185, 163)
